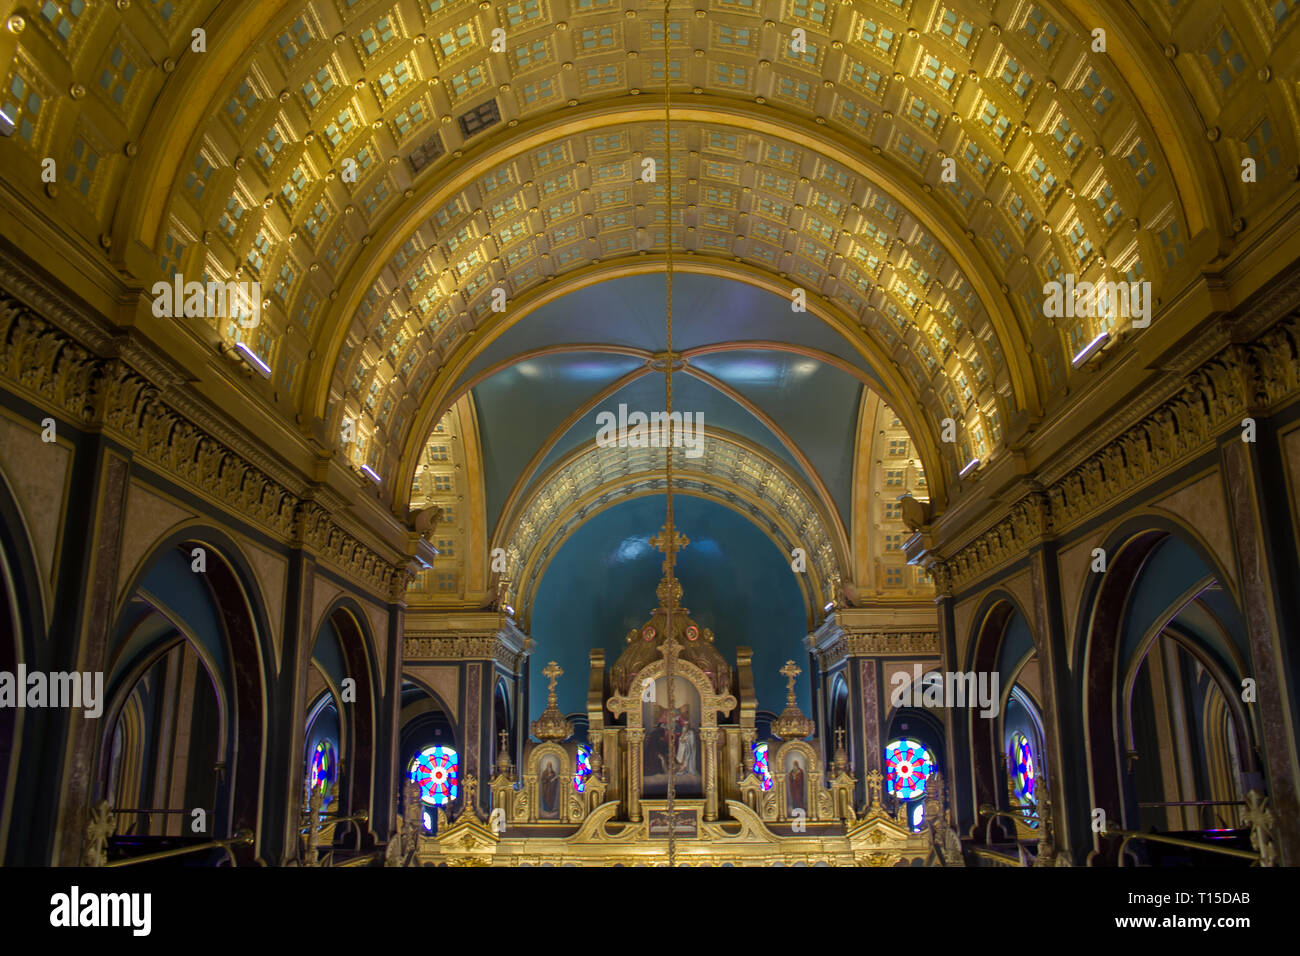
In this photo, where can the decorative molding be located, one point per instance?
(837, 644)
(107, 393)
(1239, 381)
(506, 646)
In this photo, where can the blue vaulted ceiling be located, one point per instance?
(812, 402)
(689, 394)
(629, 311)
(601, 584)
(519, 407)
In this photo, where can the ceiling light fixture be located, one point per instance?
(1091, 349)
(252, 358)
(970, 466)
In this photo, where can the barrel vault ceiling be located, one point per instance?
(498, 150)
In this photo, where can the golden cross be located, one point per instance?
(669, 541)
(553, 672)
(791, 672)
(873, 784)
(839, 737)
(502, 737)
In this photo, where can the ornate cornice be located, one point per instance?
(48, 365)
(1238, 381)
(834, 641)
(465, 636)
(417, 647)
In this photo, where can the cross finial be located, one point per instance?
(873, 785)
(502, 737)
(552, 671)
(839, 737)
(791, 671)
(669, 541)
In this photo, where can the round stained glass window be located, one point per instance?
(437, 771)
(1023, 775)
(907, 766)
(323, 769)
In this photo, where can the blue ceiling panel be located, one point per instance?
(519, 407)
(629, 311)
(689, 395)
(815, 404)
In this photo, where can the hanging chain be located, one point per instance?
(668, 468)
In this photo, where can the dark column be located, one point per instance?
(1068, 772)
(388, 707)
(1254, 484)
(83, 612)
(960, 778)
(283, 781)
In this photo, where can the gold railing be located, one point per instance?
(1130, 835)
(241, 838)
(1013, 815)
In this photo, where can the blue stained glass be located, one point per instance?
(907, 766)
(323, 769)
(583, 770)
(1022, 768)
(762, 767)
(437, 771)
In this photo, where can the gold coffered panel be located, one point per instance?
(818, 167)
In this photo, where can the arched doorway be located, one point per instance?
(1170, 746)
(185, 691)
(338, 752)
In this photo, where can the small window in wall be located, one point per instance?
(323, 770)
(1023, 775)
(437, 772)
(908, 764)
(762, 766)
(583, 770)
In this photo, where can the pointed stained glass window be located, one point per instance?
(1023, 776)
(437, 771)
(323, 769)
(907, 766)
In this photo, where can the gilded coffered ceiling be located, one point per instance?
(501, 146)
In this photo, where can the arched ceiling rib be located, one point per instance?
(628, 312)
(814, 438)
(731, 471)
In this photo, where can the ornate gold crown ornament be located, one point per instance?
(551, 725)
(792, 724)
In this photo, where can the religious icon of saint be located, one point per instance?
(549, 789)
(794, 783)
(656, 745)
(688, 754)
